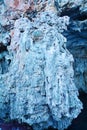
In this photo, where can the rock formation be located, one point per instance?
(36, 69)
(77, 42)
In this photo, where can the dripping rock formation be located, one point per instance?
(38, 40)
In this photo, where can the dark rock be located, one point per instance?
(77, 44)
(80, 123)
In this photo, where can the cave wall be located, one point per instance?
(36, 69)
(77, 42)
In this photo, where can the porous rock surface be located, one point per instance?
(76, 35)
(36, 69)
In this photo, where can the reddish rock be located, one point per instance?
(19, 4)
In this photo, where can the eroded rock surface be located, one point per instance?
(77, 42)
(36, 69)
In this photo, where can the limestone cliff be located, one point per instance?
(36, 69)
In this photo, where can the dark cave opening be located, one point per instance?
(4, 63)
(74, 14)
(2, 47)
(82, 17)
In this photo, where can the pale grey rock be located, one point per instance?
(38, 86)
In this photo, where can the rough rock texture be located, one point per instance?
(77, 42)
(36, 69)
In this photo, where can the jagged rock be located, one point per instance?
(77, 43)
(83, 7)
(38, 87)
(19, 4)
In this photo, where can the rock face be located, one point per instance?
(77, 42)
(36, 69)
(19, 4)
